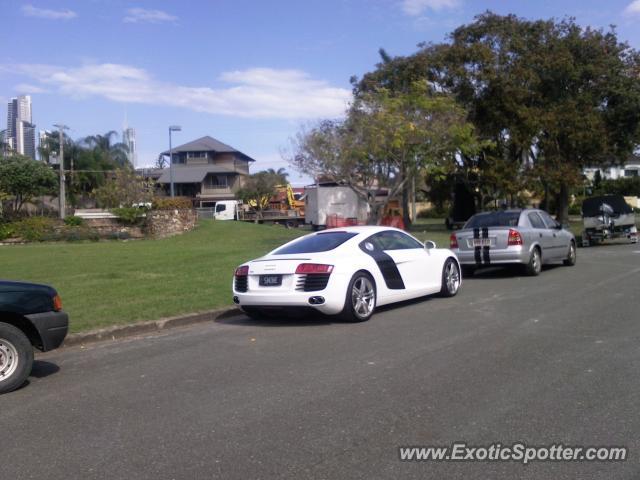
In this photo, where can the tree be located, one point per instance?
(386, 141)
(281, 173)
(547, 98)
(23, 178)
(258, 190)
(124, 189)
(113, 152)
(161, 162)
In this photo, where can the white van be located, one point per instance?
(226, 210)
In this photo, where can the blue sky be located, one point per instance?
(249, 73)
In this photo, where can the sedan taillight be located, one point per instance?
(514, 238)
(313, 268)
(453, 241)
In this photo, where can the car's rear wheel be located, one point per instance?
(16, 358)
(450, 278)
(570, 261)
(360, 301)
(534, 267)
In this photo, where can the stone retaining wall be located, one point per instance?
(166, 223)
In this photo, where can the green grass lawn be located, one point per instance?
(108, 283)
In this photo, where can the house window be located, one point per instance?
(629, 172)
(196, 154)
(177, 158)
(217, 181)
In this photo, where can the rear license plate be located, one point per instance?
(270, 280)
(481, 242)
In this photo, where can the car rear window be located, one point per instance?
(320, 242)
(494, 219)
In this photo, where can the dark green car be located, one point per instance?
(30, 316)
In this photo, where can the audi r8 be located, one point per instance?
(346, 272)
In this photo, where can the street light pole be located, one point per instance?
(62, 200)
(172, 128)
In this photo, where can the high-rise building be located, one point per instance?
(129, 139)
(21, 132)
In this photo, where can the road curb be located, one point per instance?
(123, 331)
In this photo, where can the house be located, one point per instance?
(630, 168)
(206, 170)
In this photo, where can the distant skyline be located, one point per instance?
(247, 73)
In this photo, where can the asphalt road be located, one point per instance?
(552, 359)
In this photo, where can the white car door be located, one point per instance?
(415, 263)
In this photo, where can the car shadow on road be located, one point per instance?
(42, 369)
(501, 272)
(276, 319)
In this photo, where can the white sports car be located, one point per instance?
(347, 272)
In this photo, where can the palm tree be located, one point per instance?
(281, 173)
(116, 152)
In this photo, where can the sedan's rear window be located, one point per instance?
(494, 219)
(320, 242)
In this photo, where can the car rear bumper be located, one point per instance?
(514, 254)
(52, 328)
(292, 299)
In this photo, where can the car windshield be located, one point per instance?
(494, 219)
(320, 242)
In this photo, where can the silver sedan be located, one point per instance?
(526, 237)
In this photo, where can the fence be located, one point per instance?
(205, 213)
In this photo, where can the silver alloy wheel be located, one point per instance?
(572, 252)
(537, 264)
(452, 278)
(8, 359)
(363, 297)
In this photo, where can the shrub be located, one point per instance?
(35, 229)
(7, 230)
(73, 221)
(432, 213)
(128, 215)
(119, 236)
(169, 203)
(77, 233)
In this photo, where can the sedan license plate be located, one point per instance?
(481, 242)
(270, 280)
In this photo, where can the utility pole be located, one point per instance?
(172, 128)
(62, 196)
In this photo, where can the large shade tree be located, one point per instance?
(386, 140)
(550, 97)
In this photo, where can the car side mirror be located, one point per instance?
(429, 244)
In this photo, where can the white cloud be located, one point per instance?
(31, 11)
(28, 89)
(633, 8)
(252, 93)
(143, 15)
(417, 7)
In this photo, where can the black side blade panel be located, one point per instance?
(477, 250)
(387, 266)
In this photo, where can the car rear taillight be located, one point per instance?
(57, 303)
(242, 271)
(453, 241)
(514, 238)
(313, 268)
